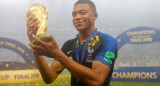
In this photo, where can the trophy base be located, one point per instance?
(41, 35)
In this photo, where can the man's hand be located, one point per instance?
(32, 27)
(45, 46)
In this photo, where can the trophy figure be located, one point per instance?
(39, 11)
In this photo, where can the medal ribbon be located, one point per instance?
(84, 48)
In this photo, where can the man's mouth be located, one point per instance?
(78, 23)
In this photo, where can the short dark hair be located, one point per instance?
(89, 2)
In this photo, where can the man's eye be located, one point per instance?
(73, 14)
(83, 13)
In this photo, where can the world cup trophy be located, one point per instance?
(40, 12)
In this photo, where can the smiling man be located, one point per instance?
(93, 53)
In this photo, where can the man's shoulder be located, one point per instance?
(68, 46)
(105, 36)
(70, 42)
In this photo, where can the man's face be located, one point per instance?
(83, 17)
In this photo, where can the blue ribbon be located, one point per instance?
(84, 48)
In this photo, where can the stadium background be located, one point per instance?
(115, 17)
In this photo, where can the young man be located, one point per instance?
(93, 53)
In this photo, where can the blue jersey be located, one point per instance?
(102, 47)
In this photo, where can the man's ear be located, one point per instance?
(96, 16)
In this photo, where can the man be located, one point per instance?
(93, 53)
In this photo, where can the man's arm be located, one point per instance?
(49, 74)
(94, 76)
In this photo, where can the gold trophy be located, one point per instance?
(39, 11)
